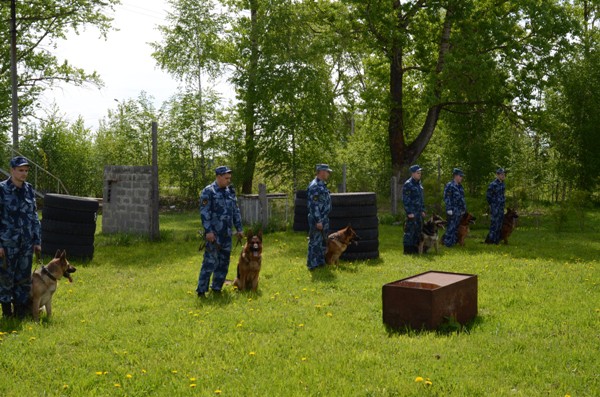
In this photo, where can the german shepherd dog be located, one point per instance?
(429, 233)
(466, 220)
(44, 282)
(338, 242)
(250, 262)
(508, 224)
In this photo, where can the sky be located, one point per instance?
(123, 61)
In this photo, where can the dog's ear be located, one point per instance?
(58, 254)
(259, 234)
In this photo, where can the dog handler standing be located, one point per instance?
(20, 237)
(414, 206)
(219, 213)
(456, 206)
(496, 199)
(319, 207)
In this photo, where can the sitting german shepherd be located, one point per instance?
(466, 220)
(338, 242)
(508, 224)
(44, 282)
(429, 233)
(250, 263)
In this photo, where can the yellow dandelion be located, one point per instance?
(304, 289)
(252, 353)
(418, 379)
(300, 325)
(193, 385)
(98, 372)
(239, 325)
(217, 391)
(304, 358)
(129, 376)
(317, 306)
(32, 339)
(428, 383)
(143, 371)
(174, 371)
(65, 386)
(249, 299)
(117, 385)
(192, 379)
(329, 314)
(29, 328)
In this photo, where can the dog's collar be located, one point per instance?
(47, 273)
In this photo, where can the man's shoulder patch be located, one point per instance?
(204, 202)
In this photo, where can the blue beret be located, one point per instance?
(458, 171)
(18, 161)
(223, 169)
(415, 168)
(500, 171)
(323, 167)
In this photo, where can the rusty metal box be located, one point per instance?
(425, 300)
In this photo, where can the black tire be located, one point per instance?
(364, 246)
(353, 211)
(367, 234)
(75, 239)
(358, 256)
(301, 211)
(73, 251)
(60, 227)
(353, 199)
(300, 226)
(356, 223)
(71, 202)
(302, 194)
(68, 215)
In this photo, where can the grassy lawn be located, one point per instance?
(131, 323)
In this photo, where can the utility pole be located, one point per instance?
(13, 73)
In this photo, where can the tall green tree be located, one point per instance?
(455, 54)
(191, 50)
(40, 24)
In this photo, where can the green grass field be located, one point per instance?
(131, 323)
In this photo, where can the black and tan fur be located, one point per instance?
(509, 223)
(338, 242)
(429, 233)
(44, 282)
(250, 263)
(466, 220)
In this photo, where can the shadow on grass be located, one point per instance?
(449, 327)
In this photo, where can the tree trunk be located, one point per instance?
(404, 155)
(250, 104)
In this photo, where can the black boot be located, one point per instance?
(21, 311)
(7, 309)
(410, 250)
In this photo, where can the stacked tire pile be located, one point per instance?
(356, 209)
(69, 223)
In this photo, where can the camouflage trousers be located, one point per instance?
(215, 263)
(15, 274)
(496, 218)
(451, 235)
(317, 240)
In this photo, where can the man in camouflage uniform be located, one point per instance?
(414, 206)
(20, 237)
(495, 198)
(219, 213)
(319, 206)
(456, 206)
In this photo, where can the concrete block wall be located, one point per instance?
(127, 200)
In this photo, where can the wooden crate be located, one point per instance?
(427, 299)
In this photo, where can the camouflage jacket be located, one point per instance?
(454, 198)
(495, 194)
(219, 212)
(19, 222)
(413, 197)
(319, 200)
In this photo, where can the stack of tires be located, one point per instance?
(69, 223)
(356, 209)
